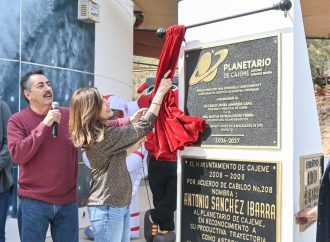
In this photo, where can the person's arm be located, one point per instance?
(23, 146)
(5, 158)
(126, 121)
(117, 139)
(164, 85)
(118, 122)
(306, 214)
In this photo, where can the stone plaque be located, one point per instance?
(311, 170)
(235, 89)
(227, 201)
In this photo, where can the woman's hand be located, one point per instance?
(137, 115)
(165, 84)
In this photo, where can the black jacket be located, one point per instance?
(323, 216)
(6, 178)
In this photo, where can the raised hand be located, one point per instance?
(53, 115)
(137, 115)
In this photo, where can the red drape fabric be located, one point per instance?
(173, 129)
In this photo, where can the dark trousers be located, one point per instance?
(4, 204)
(163, 182)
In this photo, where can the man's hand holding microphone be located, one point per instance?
(53, 118)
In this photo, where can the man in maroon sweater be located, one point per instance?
(48, 165)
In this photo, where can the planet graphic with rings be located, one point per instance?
(204, 71)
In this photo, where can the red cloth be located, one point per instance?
(173, 129)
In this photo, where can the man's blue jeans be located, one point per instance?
(4, 204)
(110, 224)
(35, 216)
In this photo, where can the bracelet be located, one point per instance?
(156, 103)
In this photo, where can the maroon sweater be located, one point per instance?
(48, 166)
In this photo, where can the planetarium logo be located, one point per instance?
(204, 71)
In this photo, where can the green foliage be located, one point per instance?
(141, 72)
(319, 58)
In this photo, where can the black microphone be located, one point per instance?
(55, 105)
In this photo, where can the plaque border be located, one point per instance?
(302, 158)
(278, 188)
(279, 82)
